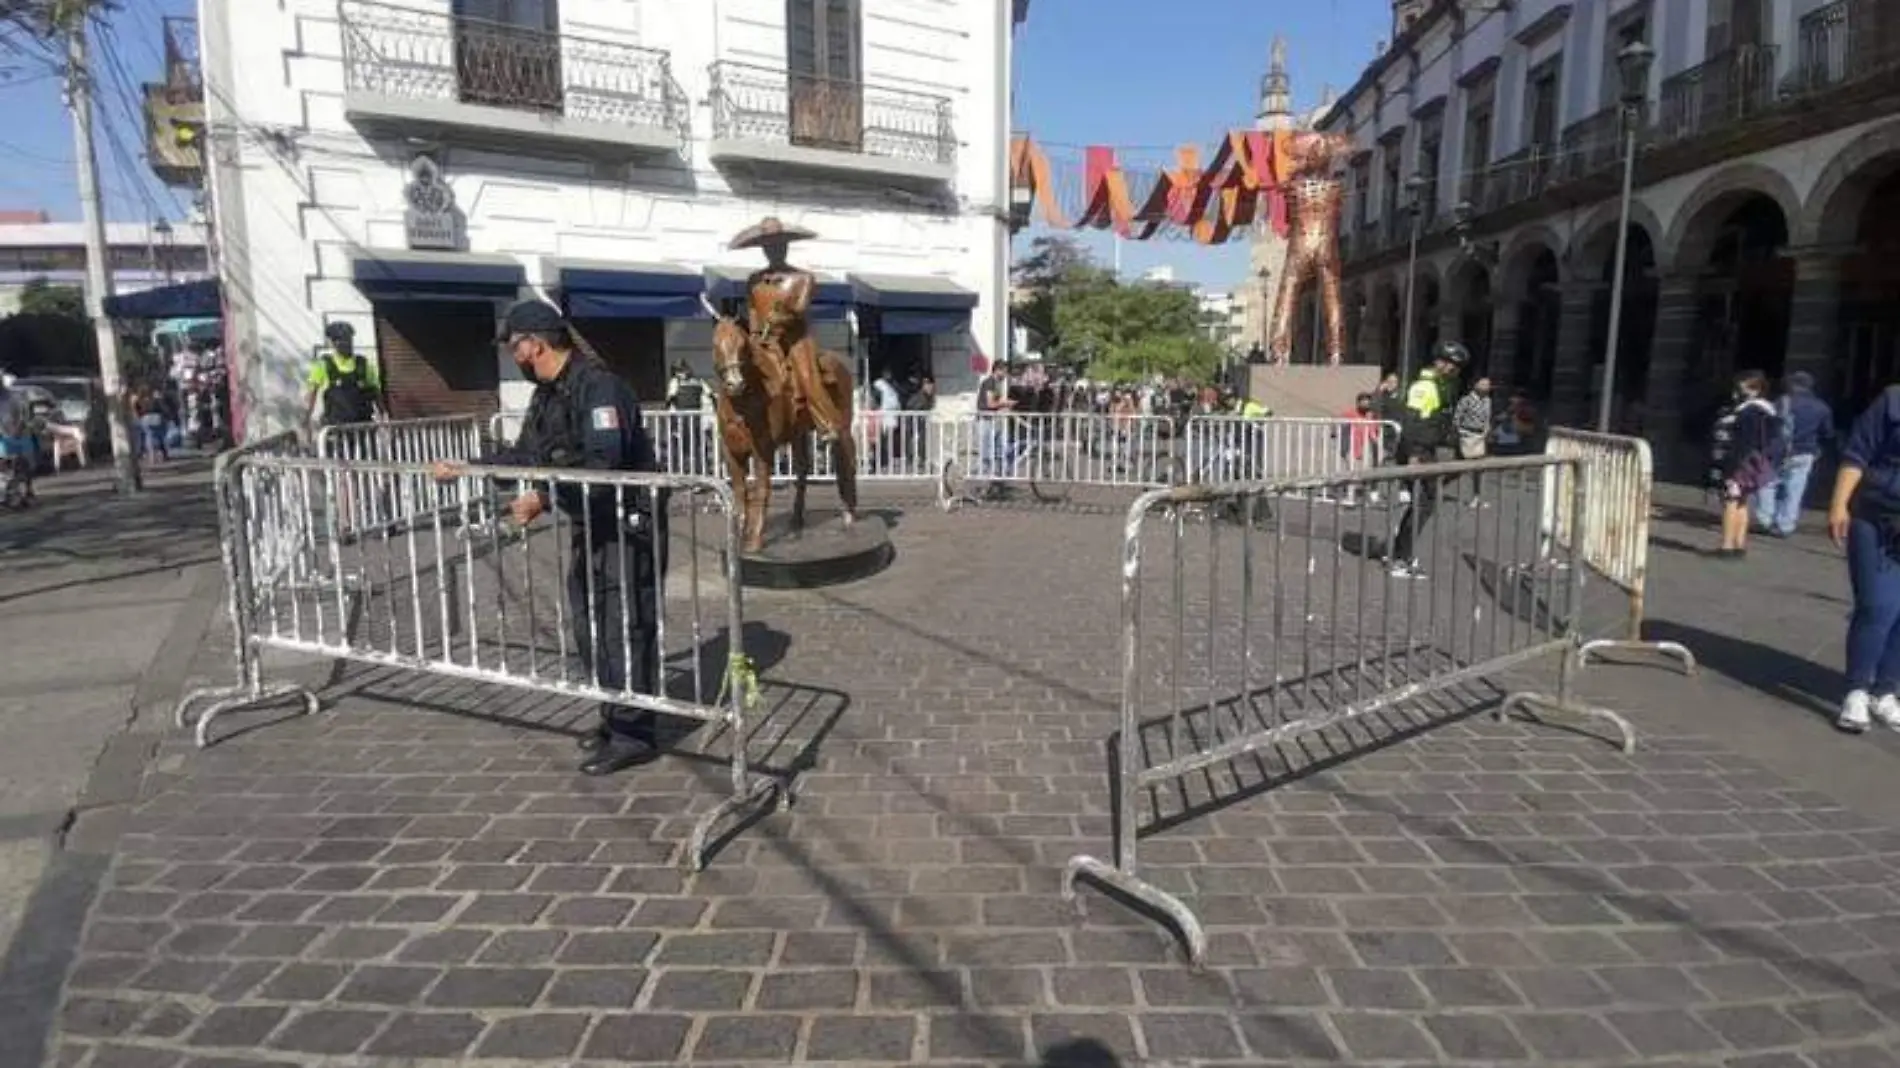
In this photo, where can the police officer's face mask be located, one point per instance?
(522, 349)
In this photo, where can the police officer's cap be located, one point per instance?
(1452, 353)
(532, 317)
(339, 331)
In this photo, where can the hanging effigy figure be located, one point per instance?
(1315, 191)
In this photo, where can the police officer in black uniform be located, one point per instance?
(584, 416)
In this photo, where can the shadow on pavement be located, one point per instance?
(1079, 1053)
(1764, 668)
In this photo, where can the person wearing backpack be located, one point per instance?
(1807, 427)
(343, 381)
(1426, 427)
(1744, 454)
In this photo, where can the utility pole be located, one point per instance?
(125, 462)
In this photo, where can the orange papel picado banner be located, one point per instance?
(1207, 203)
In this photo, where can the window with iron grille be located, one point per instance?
(508, 53)
(825, 73)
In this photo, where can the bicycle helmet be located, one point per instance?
(339, 332)
(1452, 353)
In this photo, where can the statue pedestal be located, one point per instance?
(1309, 390)
(825, 553)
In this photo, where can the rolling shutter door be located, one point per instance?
(438, 358)
(634, 349)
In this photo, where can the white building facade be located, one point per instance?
(412, 166)
(1223, 318)
(1765, 215)
(144, 256)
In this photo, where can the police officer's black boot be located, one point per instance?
(593, 739)
(627, 740)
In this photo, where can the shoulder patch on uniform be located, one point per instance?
(606, 417)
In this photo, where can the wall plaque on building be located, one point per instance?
(431, 221)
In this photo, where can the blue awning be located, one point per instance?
(407, 275)
(828, 304)
(914, 304)
(896, 321)
(585, 305)
(202, 299)
(600, 289)
(911, 292)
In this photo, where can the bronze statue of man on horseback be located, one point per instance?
(775, 387)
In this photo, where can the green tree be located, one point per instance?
(1190, 357)
(40, 297)
(1124, 332)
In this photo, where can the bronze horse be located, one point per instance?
(759, 413)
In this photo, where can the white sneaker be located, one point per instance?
(1887, 712)
(1856, 712)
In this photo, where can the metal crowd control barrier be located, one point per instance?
(891, 446)
(404, 441)
(1611, 532)
(362, 505)
(1234, 448)
(1280, 618)
(471, 595)
(276, 555)
(1040, 450)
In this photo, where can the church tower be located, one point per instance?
(1267, 254)
(1276, 94)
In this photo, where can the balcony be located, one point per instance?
(771, 118)
(1523, 175)
(428, 73)
(1846, 42)
(1590, 145)
(175, 109)
(1731, 87)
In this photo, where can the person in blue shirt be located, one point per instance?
(1807, 427)
(1864, 517)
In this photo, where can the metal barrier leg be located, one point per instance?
(1526, 702)
(1193, 935)
(222, 699)
(952, 492)
(1674, 650)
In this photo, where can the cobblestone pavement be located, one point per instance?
(417, 877)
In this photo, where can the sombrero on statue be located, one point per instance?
(769, 230)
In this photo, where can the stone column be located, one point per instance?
(1504, 327)
(1372, 344)
(1814, 319)
(1451, 320)
(1671, 354)
(1570, 375)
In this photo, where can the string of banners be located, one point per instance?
(1241, 184)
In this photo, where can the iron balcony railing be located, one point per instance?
(1590, 145)
(1845, 42)
(433, 55)
(1523, 175)
(762, 104)
(1731, 87)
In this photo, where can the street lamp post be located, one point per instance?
(1632, 65)
(1413, 187)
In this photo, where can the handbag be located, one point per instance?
(1755, 472)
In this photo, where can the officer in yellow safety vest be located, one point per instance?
(1424, 428)
(1253, 409)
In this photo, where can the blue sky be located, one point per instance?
(1141, 73)
(1129, 73)
(36, 142)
